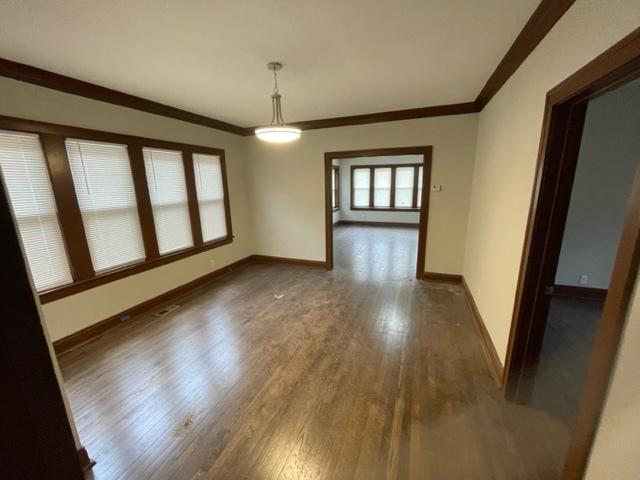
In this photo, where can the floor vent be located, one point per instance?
(165, 310)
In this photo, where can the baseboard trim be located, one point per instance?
(495, 365)
(589, 293)
(378, 224)
(442, 277)
(289, 261)
(68, 343)
(85, 461)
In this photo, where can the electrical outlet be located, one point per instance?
(436, 188)
(583, 280)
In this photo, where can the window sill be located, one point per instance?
(386, 209)
(123, 272)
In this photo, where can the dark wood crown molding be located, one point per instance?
(544, 17)
(539, 24)
(55, 81)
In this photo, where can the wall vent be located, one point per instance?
(165, 310)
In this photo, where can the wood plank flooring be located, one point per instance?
(362, 372)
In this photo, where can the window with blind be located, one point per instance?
(382, 187)
(404, 187)
(210, 193)
(26, 179)
(361, 187)
(335, 185)
(394, 187)
(106, 197)
(169, 201)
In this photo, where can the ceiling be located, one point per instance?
(341, 57)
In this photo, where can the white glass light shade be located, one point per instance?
(278, 133)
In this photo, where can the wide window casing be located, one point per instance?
(83, 202)
(210, 192)
(386, 187)
(169, 200)
(107, 200)
(26, 179)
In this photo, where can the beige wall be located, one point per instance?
(287, 185)
(507, 147)
(73, 313)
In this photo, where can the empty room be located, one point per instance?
(320, 240)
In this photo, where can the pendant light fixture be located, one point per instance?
(278, 131)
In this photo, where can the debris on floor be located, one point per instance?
(278, 296)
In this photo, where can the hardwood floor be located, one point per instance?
(362, 372)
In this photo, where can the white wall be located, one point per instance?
(287, 185)
(367, 215)
(507, 148)
(75, 312)
(609, 156)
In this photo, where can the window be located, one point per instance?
(27, 182)
(395, 187)
(404, 187)
(210, 192)
(335, 188)
(382, 187)
(169, 201)
(107, 200)
(361, 187)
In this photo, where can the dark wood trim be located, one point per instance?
(442, 277)
(588, 293)
(561, 133)
(145, 210)
(227, 198)
(97, 329)
(426, 153)
(55, 81)
(85, 461)
(116, 274)
(37, 440)
(67, 131)
(336, 179)
(545, 16)
(289, 261)
(378, 224)
(192, 197)
(493, 360)
(69, 215)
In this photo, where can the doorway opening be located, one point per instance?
(582, 248)
(369, 192)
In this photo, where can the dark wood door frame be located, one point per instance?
(425, 151)
(35, 436)
(561, 134)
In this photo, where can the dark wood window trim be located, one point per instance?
(392, 208)
(336, 178)
(52, 138)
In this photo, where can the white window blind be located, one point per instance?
(106, 196)
(361, 187)
(382, 187)
(169, 201)
(419, 187)
(404, 187)
(210, 191)
(27, 182)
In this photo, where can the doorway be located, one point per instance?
(402, 182)
(568, 124)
